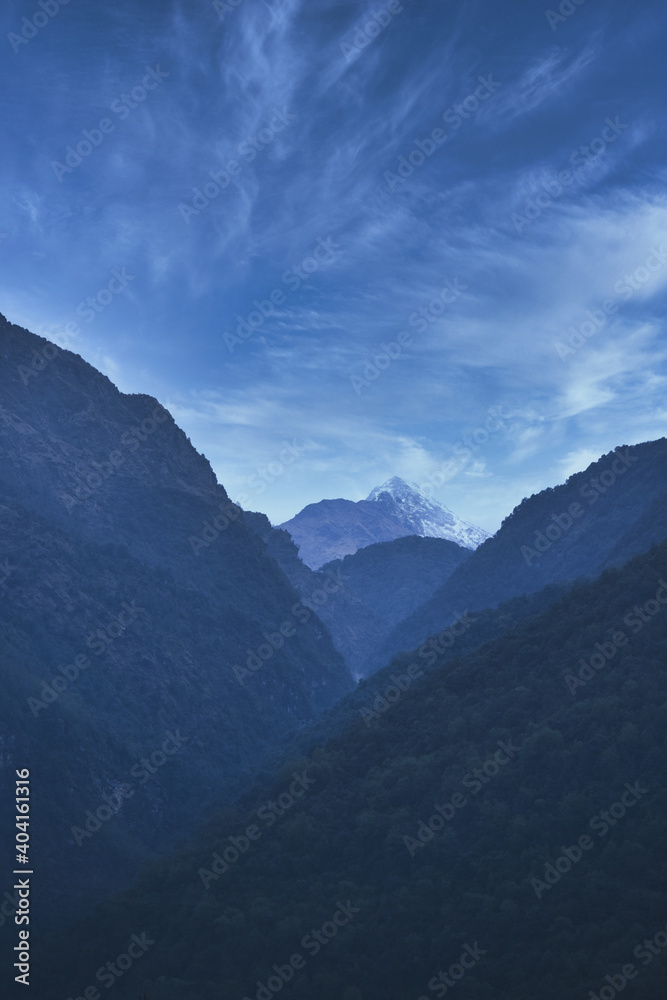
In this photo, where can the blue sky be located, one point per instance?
(376, 319)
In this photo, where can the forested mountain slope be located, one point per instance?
(136, 602)
(363, 597)
(509, 805)
(600, 517)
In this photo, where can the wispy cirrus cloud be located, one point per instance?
(322, 176)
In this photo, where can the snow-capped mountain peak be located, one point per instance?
(331, 529)
(425, 516)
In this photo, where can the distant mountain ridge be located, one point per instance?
(332, 529)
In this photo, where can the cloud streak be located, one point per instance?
(323, 176)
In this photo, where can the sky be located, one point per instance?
(344, 241)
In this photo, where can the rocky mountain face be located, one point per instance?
(139, 609)
(332, 529)
(424, 516)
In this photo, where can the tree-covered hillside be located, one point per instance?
(379, 586)
(395, 578)
(135, 601)
(509, 805)
(601, 517)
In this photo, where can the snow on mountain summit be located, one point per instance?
(424, 516)
(331, 529)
